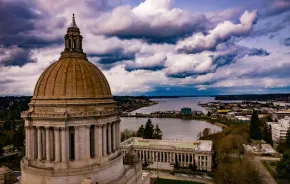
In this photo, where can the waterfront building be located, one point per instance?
(72, 126)
(195, 153)
(186, 111)
(279, 129)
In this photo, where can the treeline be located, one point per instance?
(254, 97)
(146, 132)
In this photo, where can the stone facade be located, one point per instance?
(185, 153)
(72, 125)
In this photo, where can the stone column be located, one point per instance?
(99, 141)
(33, 142)
(39, 144)
(118, 135)
(192, 161)
(104, 135)
(114, 136)
(77, 146)
(82, 142)
(27, 143)
(57, 144)
(109, 138)
(47, 143)
(51, 140)
(63, 144)
(43, 142)
(96, 148)
(87, 141)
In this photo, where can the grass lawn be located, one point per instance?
(167, 181)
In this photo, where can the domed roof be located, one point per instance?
(71, 77)
(4, 170)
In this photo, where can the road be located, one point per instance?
(183, 177)
(264, 174)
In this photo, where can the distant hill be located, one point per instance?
(253, 97)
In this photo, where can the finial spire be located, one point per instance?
(73, 24)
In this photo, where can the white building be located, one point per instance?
(198, 153)
(279, 129)
(72, 126)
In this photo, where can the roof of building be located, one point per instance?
(201, 145)
(4, 170)
(72, 76)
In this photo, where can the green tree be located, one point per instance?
(283, 166)
(157, 134)
(266, 135)
(288, 139)
(255, 131)
(149, 129)
(140, 132)
(270, 135)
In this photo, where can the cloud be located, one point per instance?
(275, 7)
(287, 42)
(155, 62)
(153, 20)
(15, 56)
(224, 31)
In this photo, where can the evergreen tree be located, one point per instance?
(140, 132)
(283, 166)
(255, 131)
(288, 139)
(149, 129)
(266, 134)
(157, 133)
(270, 135)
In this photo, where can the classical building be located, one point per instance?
(279, 129)
(185, 153)
(72, 125)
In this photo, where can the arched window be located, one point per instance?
(69, 43)
(74, 43)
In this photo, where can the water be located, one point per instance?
(172, 128)
(175, 104)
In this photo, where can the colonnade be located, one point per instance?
(63, 144)
(165, 156)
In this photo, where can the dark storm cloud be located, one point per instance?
(23, 28)
(287, 42)
(258, 52)
(112, 57)
(15, 56)
(16, 17)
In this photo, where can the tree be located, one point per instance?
(255, 131)
(157, 134)
(288, 138)
(270, 135)
(206, 132)
(140, 132)
(149, 129)
(239, 171)
(266, 135)
(283, 166)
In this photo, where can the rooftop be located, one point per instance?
(200, 145)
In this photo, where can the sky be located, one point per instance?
(153, 47)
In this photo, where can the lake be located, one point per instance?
(175, 104)
(173, 128)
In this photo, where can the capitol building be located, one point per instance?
(72, 126)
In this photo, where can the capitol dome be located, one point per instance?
(72, 76)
